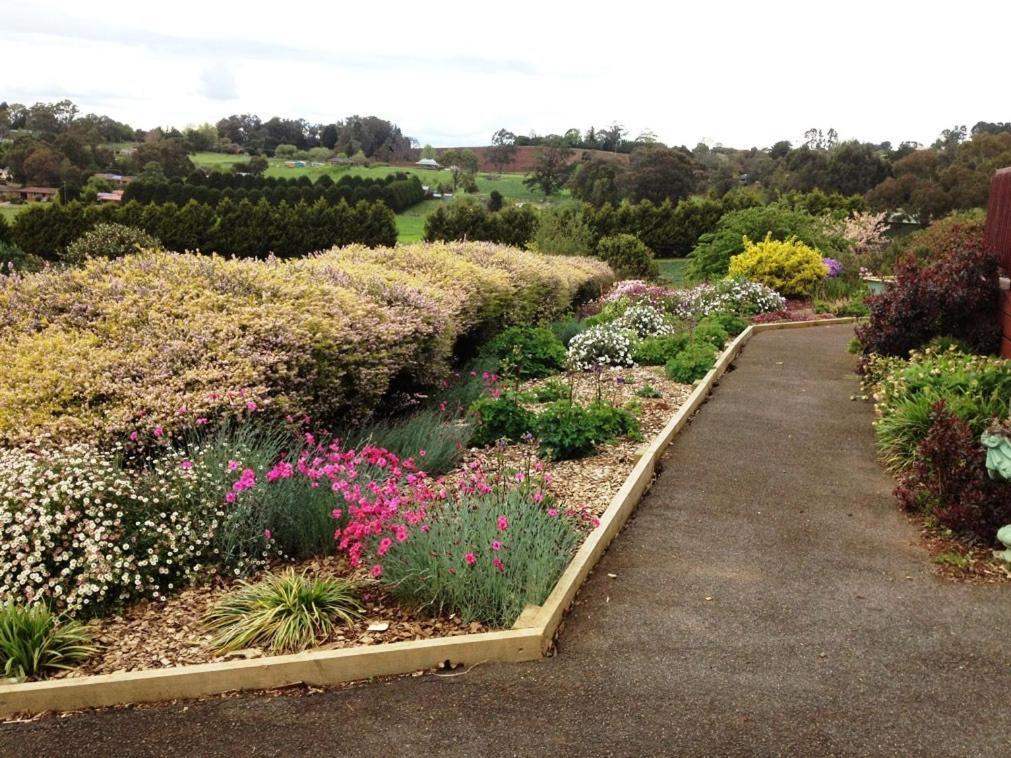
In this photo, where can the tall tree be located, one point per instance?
(551, 169)
(660, 173)
(503, 149)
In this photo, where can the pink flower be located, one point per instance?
(134, 436)
(538, 497)
(267, 534)
(470, 559)
(336, 513)
(519, 476)
(251, 406)
(377, 571)
(553, 512)
(442, 406)
(594, 522)
(230, 497)
(425, 528)
(201, 421)
(384, 545)
(421, 453)
(233, 465)
(503, 523)
(401, 534)
(496, 545)
(186, 465)
(158, 431)
(497, 563)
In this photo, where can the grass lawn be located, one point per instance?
(411, 223)
(672, 270)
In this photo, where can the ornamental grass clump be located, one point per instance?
(284, 613)
(35, 642)
(499, 544)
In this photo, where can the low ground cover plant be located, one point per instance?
(566, 430)
(692, 363)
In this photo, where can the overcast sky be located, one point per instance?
(451, 73)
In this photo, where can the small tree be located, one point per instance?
(463, 164)
(256, 166)
(503, 149)
(285, 151)
(551, 169)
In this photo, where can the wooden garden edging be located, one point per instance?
(531, 636)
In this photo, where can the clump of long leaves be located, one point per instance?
(34, 642)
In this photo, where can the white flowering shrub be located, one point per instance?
(737, 296)
(604, 345)
(81, 534)
(645, 321)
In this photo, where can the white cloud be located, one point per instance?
(740, 73)
(217, 83)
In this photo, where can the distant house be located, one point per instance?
(295, 164)
(116, 196)
(339, 160)
(9, 192)
(430, 163)
(37, 194)
(115, 178)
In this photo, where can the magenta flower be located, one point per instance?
(233, 465)
(384, 545)
(201, 421)
(230, 497)
(401, 534)
(503, 523)
(158, 431)
(267, 534)
(470, 559)
(497, 563)
(134, 436)
(377, 571)
(553, 512)
(496, 545)
(186, 465)
(251, 406)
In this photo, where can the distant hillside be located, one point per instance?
(527, 155)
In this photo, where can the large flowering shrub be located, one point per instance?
(80, 534)
(645, 321)
(737, 296)
(604, 345)
(165, 340)
(788, 266)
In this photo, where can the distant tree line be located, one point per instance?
(240, 228)
(399, 191)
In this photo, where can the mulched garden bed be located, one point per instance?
(152, 635)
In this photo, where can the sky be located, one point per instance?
(451, 73)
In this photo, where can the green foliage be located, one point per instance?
(563, 231)
(648, 391)
(284, 613)
(656, 351)
(551, 169)
(710, 259)
(434, 440)
(551, 391)
(710, 331)
(692, 363)
(109, 241)
(35, 642)
(466, 220)
(731, 323)
(529, 352)
(567, 328)
(432, 570)
(498, 418)
(241, 228)
(628, 257)
(568, 431)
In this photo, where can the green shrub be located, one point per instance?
(35, 642)
(711, 332)
(109, 241)
(284, 613)
(463, 220)
(552, 390)
(498, 418)
(731, 323)
(529, 352)
(656, 351)
(465, 563)
(567, 328)
(563, 231)
(711, 257)
(567, 431)
(692, 363)
(852, 308)
(628, 257)
(790, 267)
(610, 422)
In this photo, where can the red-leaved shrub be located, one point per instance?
(955, 295)
(948, 480)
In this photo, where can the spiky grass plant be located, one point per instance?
(34, 641)
(284, 613)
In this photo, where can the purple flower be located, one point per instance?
(834, 267)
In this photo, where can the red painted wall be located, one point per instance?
(998, 239)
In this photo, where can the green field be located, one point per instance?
(672, 270)
(411, 223)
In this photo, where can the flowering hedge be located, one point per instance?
(166, 341)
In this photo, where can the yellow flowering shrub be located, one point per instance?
(158, 342)
(790, 267)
